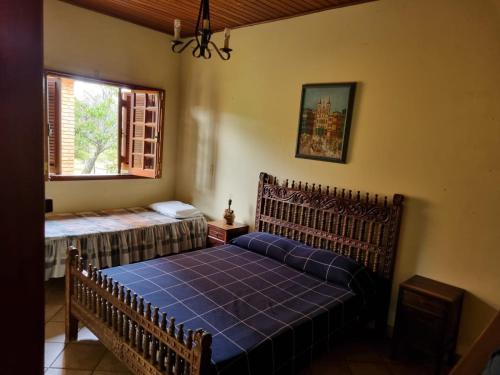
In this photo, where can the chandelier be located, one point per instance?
(203, 33)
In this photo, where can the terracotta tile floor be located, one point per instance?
(84, 357)
(354, 356)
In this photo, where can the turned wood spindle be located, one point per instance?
(132, 323)
(140, 331)
(104, 315)
(82, 264)
(360, 237)
(163, 349)
(98, 301)
(275, 214)
(74, 284)
(121, 297)
(88, 290)
(94, 293)
(154, 341)
(375, 261)
(148, 312)
(189, 345)
(179, 365)
(114, 312)
(189, 340)
(83, 293)
(293, 184)
(109, 306)
(104, 284)
(170, 353)
(78, 290)
(369, 235)
(367, 259)
(146, 338)
(126, 319)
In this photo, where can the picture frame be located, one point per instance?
(325, 121)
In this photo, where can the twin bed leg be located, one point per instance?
(70, 322)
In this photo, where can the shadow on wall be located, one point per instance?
(470, 328)
(201, 127)
(476, 314)
(413, 228)
(354, 121)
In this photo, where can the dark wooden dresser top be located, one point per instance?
(433, 288)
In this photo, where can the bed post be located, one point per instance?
(202, 353)
(263, 179)
(70, 322)
(388, 265)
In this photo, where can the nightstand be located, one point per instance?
(427, 318)
(219, 233)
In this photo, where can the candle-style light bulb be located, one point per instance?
(177, 29)
(227, 35)
(206, 24)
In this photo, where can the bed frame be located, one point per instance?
(363, 229)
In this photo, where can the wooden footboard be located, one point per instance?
(135, 333)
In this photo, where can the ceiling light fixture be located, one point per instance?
(202, 36)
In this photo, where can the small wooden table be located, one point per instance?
(219, 233)
(427, 318)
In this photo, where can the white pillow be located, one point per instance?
(175, 209)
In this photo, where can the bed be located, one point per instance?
(118, 236)
(262, 304)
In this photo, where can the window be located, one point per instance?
(99, 129)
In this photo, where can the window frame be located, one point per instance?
(120, 85)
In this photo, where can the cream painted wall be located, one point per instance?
(426, 124)
(88, 43)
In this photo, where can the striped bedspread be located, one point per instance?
(118, 236)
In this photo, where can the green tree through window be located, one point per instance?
(96, 122)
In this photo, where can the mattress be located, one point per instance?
(265, 316)
(118, 236)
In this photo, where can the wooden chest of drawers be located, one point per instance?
(427, 318)
(219, 233)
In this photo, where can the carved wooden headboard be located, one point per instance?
(363, 228)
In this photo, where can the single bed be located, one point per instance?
(261, 305)
(114, 237)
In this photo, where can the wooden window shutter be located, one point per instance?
(125, 123)
(145, 138)
(53, 123)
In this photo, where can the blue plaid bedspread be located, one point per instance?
(265, 317)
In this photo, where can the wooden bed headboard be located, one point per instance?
(363, 228)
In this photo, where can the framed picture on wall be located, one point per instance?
(325, 121)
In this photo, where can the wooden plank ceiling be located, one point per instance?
(160, 14)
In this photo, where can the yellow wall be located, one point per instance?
(426, 124)
(88, 43)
